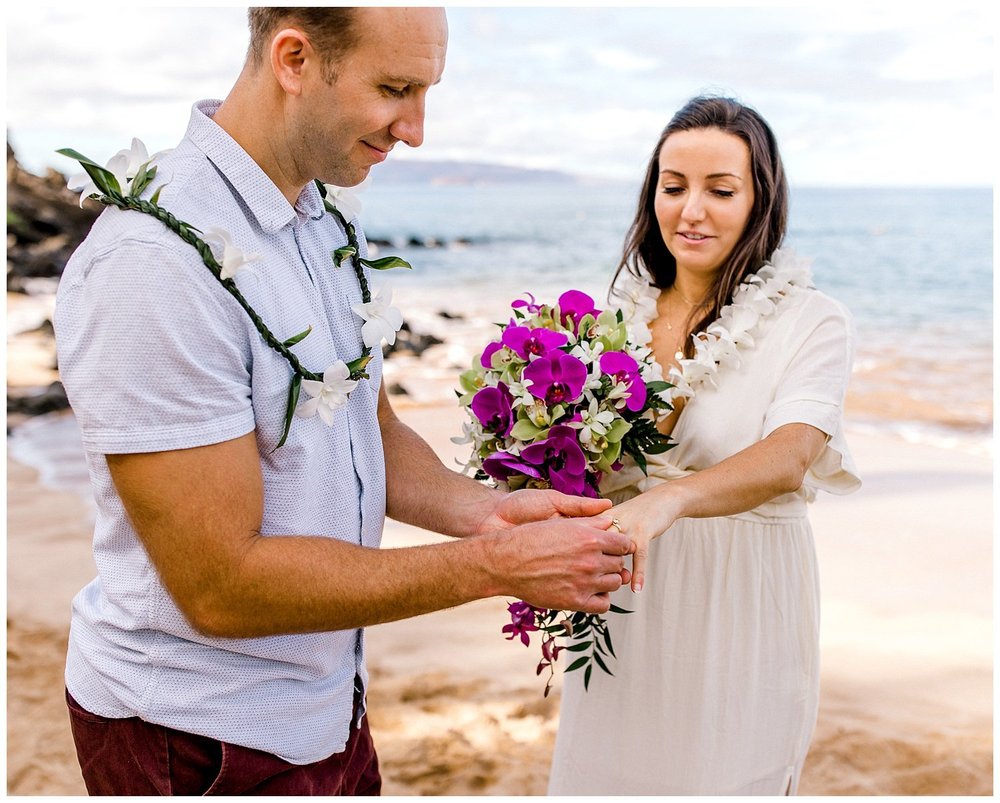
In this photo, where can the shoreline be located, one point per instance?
(906, 682)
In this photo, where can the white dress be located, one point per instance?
(716, 684)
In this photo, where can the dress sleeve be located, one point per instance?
(812, 387)
(150, 352)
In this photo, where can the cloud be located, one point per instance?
(852, 93)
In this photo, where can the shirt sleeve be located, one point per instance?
(152, 351)
(812, 390)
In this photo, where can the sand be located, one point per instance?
(907, 642)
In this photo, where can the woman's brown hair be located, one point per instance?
(646, 256)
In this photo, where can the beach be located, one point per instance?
(907, 635)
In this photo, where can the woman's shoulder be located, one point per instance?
(809, 304)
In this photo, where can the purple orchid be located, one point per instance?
(492, 406)
(556, 378)
(623, 369)
(487, 359)
(562, 460)
(532, 342)
(502, 466)
(522, 621)
(574, 305)
(532, 306)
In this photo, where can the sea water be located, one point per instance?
(914, 267)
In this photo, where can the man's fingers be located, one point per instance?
(580, 505)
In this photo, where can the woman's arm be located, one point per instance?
(775, 465)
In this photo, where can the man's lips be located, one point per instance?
(377, 152)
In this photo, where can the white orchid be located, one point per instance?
(594, 423)
(382, 321)
(124, 166)
(329, 395)
(347, 199)
(227, 254)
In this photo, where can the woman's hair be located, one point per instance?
(645, 252)
(330, 30)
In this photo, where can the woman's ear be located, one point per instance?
(291, 52)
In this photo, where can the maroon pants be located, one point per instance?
(134, 757)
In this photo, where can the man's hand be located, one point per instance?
(567, 564)
(526, 506)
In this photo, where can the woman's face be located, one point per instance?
(703, 197)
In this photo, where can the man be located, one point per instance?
(220, 649)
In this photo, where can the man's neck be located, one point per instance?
(240, 114)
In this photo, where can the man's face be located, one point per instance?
(377, 98)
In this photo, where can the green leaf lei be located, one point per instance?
(112, 194)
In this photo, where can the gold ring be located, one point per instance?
(617, 525)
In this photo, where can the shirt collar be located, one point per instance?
(260, 194)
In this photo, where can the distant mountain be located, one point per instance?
(404, 171)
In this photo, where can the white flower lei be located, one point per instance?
(755, 300)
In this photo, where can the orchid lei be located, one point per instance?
(130, 172)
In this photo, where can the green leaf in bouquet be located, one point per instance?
(582, 661)
(618, 430)
(657, 387)
(617, 609)
(586, 678)
(579, 646)
(525, 430)
(600, 663)
(471, 380)
(607, 641)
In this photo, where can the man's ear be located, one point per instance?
(291, 53)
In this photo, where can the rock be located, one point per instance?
(410, 342)
(48, 401)
(45, 223)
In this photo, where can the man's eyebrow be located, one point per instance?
(402, 79)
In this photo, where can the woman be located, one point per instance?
(716, 683)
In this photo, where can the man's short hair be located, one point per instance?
(331, 31)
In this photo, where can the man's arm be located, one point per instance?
(198, 513)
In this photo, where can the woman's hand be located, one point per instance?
(642, 519)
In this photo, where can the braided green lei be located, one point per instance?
(112, 194)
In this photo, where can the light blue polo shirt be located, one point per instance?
(155, 355)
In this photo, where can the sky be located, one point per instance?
(858, 95)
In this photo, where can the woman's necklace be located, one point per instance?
(691, 305)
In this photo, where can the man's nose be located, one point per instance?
(409, 125)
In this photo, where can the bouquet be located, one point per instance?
(559, 401)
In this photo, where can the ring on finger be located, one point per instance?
(617, 525)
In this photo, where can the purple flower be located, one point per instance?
(487, 359)
(522, 621)
(574, 304)
(556, 378)
(501, 466)
(492, 406)
(625, 370)
(527, 342)
(562, 460)
(532, 306)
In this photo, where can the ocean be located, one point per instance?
(914, 266)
